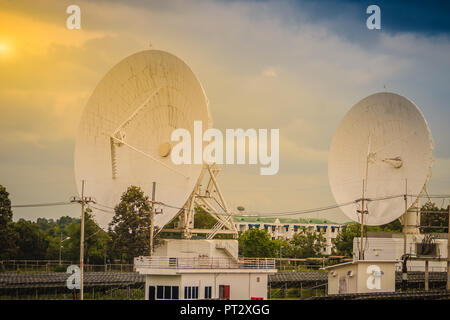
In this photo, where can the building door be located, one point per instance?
(151, 293)
(224, 292)
(342, 284)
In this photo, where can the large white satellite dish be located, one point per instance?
(384, 142)
(124, 133)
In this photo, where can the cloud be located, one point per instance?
(269, 64)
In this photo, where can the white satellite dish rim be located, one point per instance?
(426, 179)
(108, 74)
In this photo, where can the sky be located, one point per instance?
(297, 66)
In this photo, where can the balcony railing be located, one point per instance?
(158, 262)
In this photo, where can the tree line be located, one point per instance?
(128, 233)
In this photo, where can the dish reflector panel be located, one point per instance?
(124, 133)
(384, 140)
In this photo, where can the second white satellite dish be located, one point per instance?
(125, 130)
(383, 141)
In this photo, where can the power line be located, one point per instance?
(50, 204)
(264, 215)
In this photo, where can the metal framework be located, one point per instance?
(209, 197)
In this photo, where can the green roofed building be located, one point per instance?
(286, 228)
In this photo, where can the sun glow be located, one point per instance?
(5, 49)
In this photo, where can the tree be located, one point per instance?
(202, 219)
(344, 240)
(8, 236)
(435, 221)
(130, 226)
(283, 248)
(394, 226)
(256, 243)
(308, 244)
(95, 241)
(31, 241)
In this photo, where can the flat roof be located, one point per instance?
(359, 261)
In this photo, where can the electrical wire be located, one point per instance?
(265, 215)
(51, 204)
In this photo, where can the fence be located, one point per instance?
(110, 292)
(158, 262)
(56, 265)
(298, 292)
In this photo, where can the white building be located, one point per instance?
(279, 228)
(362, 276)
(390, 246)
(203, 269)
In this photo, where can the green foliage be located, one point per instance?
(283, 248)
(394, 226)
(433, 222)
(202, 219)
(130, 227)
(256, 243)
(344, 240)
(8, 236)
(42, 239)
(95, 241)
(307, 244)
(31, 241)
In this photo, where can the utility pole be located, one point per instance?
(405, 217)
(152, 218)
(361, 245)
(448, 250)
(83, 201)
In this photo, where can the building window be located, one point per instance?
(167, 292)
(191, 292)
(194, 292)
(208, 292)
(163, 292)
(151, 293)
(160, 292)
(175, 293)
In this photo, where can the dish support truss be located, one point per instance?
(209, 197)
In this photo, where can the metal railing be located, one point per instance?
(203, 263)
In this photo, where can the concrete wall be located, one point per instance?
(162, 280)
(243, 286)
(387, 280)
(392, 249)
(342, 282)
(194, 248)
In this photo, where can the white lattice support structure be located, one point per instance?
(211, 199)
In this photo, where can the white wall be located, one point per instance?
(392, 249)
(243, 286)
(162, 280)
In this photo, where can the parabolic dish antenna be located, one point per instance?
(124, 134)
(384, 142)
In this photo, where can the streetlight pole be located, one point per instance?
(60, 246)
